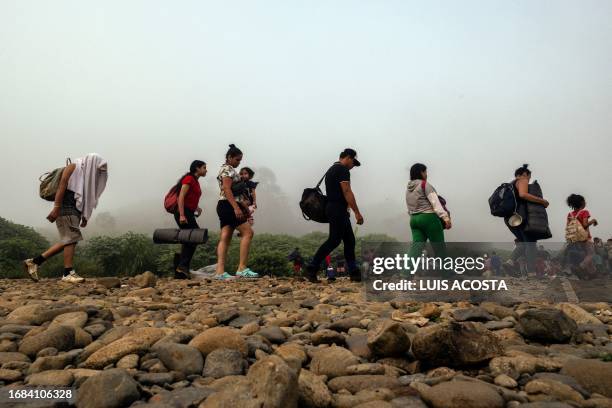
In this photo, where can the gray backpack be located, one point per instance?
(49, 182)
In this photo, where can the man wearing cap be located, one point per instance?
(340, 198)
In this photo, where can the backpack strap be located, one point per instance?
(322, 178)
(321, 181)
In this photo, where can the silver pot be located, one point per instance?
(515, 220)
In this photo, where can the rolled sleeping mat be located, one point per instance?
(180, 236)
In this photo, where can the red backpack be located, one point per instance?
(171, 200)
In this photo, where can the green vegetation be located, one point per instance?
(131, 253)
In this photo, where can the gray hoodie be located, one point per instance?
(424, 200)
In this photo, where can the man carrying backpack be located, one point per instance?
(75, 196)
(340, 198)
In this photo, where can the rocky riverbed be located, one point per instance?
(149, 342)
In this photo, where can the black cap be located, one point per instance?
(352, 154)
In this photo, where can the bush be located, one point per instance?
(128, 254)
(132, 253)
(18, 242)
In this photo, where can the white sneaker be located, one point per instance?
(31, 268)
(72, 277)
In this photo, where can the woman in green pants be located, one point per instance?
(428, 218)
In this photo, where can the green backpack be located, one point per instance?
(49, 182)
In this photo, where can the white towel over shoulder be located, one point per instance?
(88, 182)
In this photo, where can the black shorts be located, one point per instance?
(226, 214)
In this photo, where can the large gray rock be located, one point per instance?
(236, 394)
(8, 356)
(594, 375)
(37, 314)
(564, 379)
(343, 325)
(20, 329)
(327, 336)
(72, 319)
(547, 325)
(388, 339)
(51, 378)
(332, 361)
(274, 383)
(180, 357)
(547, 388)
(356, 383)
(59, 337)
(110, 389)
(8, 375)
(137, 341)
(578, 314)
(515, 366)
(358, 344)
(273, 333)
(293, 354)
(462, 394)
(223, 362)
(474, 314)
(313, 391)
(57, 362)
(24, 314)
(219, 337)
(455, 344)
(161, 379)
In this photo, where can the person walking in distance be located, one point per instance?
(79, 190)
(188, 208)
(340, 198)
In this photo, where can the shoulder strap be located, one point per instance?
(423, 184)
(321, 181)
(322, 178)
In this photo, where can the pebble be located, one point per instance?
(157, 342)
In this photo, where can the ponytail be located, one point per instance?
(192, 169)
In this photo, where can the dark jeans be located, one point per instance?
(187, 250)
(340, 230)
(526, 246)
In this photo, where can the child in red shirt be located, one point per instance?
(579, 211)
(578, 205)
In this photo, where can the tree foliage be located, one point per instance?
(133, 253)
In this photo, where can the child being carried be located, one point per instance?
(249, 201)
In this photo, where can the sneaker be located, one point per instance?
(224, 276)
(247, 273)
(72, 277)
(31, 268)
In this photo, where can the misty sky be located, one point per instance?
(471, 88)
